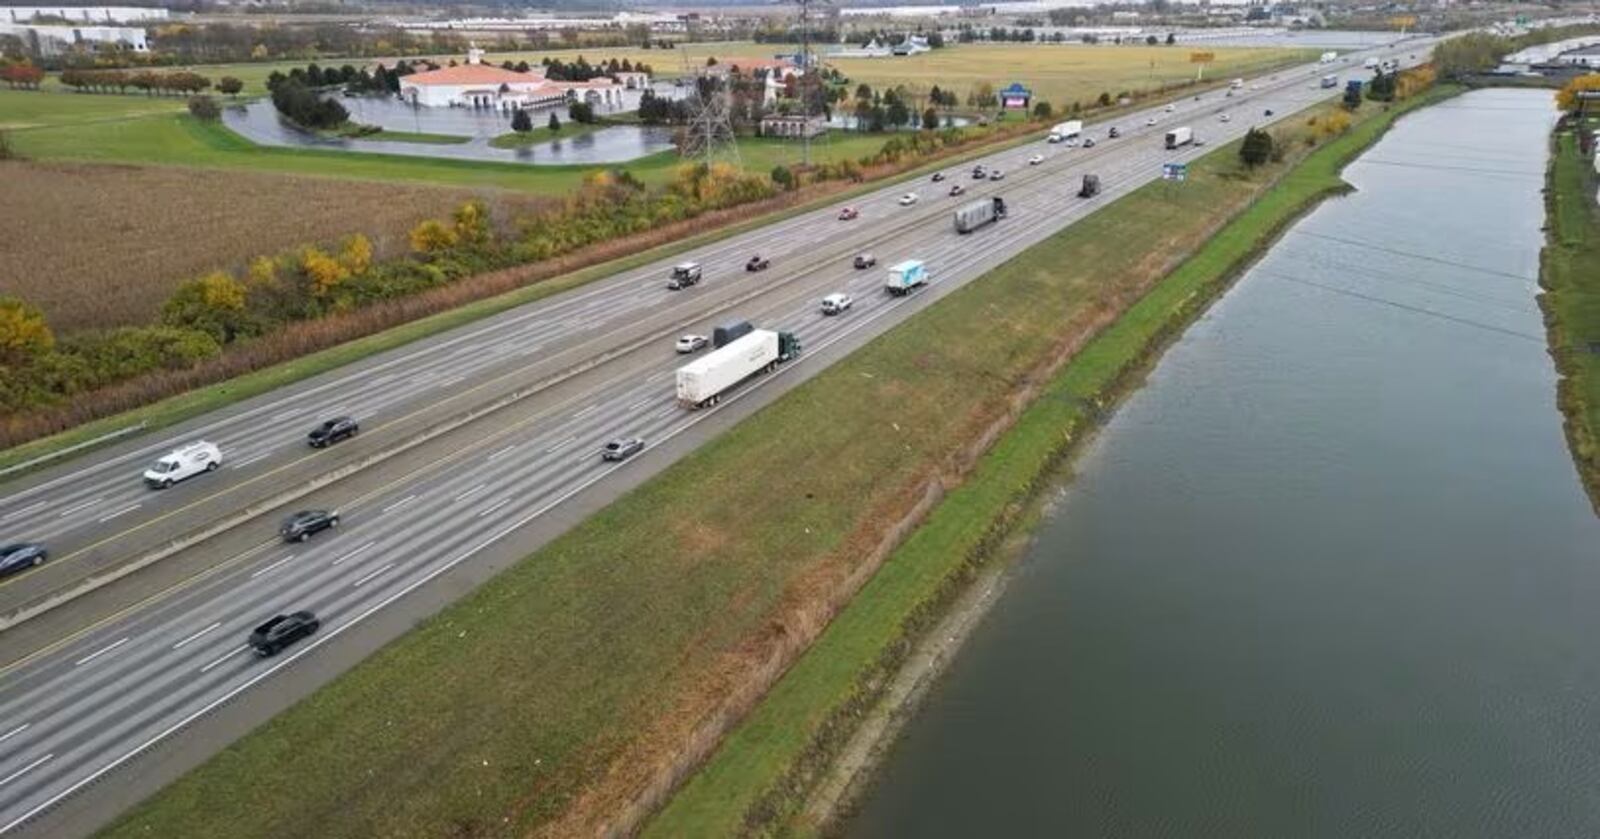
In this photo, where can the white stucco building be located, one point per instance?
(478, 85)
(54, 39)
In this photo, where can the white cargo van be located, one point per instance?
(183, 463)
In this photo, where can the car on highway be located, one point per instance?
(757, 263)
(938, 176)
(684, 274)
(1267, 112)
(1198, 141)
(1150, 121)
(997, 175)
(1088, 142)
(957, 189)
(1222, 117)
(21, 556)
(307, 523)
(849, 214)
(184, 463)
(1036, 160)
(1114, 133)
(835, 304)
(273, 636)
(622, 448)
(332, 431)
(979, 173)
(692, 343)
(908, 199)
(865, 260)
(1171, 107)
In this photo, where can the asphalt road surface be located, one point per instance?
(90, 702)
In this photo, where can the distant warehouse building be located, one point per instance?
(83, 14)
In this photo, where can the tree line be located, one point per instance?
(177, 82)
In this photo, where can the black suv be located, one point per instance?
(283, 630)
(300, 526)
(332, 431)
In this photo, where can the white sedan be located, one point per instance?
(1222, 118)
(1036, 160)
(908, 199)
(691, 343)
(1150, 121)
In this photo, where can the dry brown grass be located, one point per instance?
(100, 246)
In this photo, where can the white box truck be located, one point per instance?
(1066, 130)
(972, 216)
(1329, 57)
(906, 277)
(1370, 64)
(1236, 84)
(1179, 137)
(703, 381)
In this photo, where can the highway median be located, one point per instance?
(572, 692)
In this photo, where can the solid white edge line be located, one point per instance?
(368, 612)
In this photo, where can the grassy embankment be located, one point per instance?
(1570, 274)
(542, 134)
(544, 698)
(763, 771)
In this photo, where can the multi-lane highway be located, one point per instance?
(594, 363)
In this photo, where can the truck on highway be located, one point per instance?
(1066, 130)
(1236, 84)
(1181, 136)
(1389, 65)
(1091, 186)
(1330, 80)
(1329, 57)
(729, 332)
(975, 215)
(702, 382)
(906, 277)
(1370, 64)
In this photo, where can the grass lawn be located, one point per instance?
(498, 711)
(542, 134)
(1058, 73)
(1571, 278)
(762, 767)
(22, 110)
(178, 139)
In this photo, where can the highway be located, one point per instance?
(76, 710)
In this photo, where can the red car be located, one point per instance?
(848, 213)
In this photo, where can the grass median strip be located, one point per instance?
(759, 778)
(1570, 274)
(547, 697)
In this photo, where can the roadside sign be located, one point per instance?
(1174, 171)
(1202, 57)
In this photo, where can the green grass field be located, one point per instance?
(1058, 73)
(760, 767)
(1571, 278)
(499, 710)
(541, 134)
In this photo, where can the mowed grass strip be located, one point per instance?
(90, 252)
(489, 718)
(1571, 301)
(759, 778)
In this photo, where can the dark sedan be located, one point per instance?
(332, 431)
(300, 526)
(622, 449)
(21, 556)
(283, 630)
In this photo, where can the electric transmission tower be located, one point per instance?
(710, 129)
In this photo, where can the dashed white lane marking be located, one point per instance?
(505, 451)
(180, 645)
(25, 770)
(471, 492)
(587, 411)
(122, 512)
(96, 654)
(561, 445)
(401, 503)
(14, 732)
(358, 551)
(224, 657)
(240, 464)
(259, 571)
(492, 507)
(76, 507)
(19, 513)
(364, 580)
